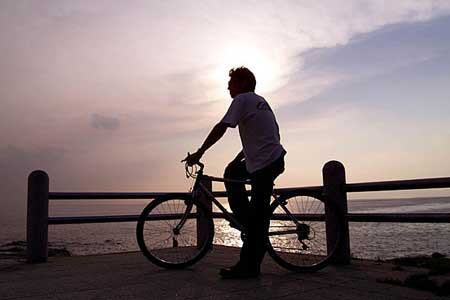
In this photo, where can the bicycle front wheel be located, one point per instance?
(297, 232)
(174, 232)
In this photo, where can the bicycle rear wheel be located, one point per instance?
(167, 232)
(297, 232)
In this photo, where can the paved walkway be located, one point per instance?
(131, 276)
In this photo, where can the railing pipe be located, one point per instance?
(351, 217)
(107, 196)
(401, 218)
(111, 196)
(412, 184)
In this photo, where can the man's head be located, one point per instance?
(241, 81)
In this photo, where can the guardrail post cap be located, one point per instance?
(333, 165)
(38, 174)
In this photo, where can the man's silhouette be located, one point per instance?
(261, 160)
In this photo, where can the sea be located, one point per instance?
(367, 240)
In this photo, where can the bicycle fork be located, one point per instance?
(177, 229)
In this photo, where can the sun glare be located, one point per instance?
(266, 71)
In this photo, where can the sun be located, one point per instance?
(264, 67)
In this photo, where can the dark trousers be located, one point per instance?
(253, 213)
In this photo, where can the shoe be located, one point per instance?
(238, 273)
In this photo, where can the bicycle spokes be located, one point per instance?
(167, 232)
(297, 233)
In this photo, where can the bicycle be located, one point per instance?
(176, 230)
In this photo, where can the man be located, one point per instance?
(261, 160)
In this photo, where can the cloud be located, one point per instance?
(104, 122)
(391, 82)
(366, 58)
(391, 47)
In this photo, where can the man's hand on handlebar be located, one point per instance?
(194, 158)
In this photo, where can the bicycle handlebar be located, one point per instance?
(192, 173)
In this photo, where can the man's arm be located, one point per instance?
(216, 134)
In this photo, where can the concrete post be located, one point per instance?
(37, 217)
(333, 188)
(202, 225)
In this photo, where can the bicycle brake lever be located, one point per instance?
(186, 166)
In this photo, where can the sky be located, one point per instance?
(111, 95)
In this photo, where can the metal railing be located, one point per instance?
(335, 189)
(128, 196)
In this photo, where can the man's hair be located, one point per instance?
(242, 74)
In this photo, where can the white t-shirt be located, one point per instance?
(258, 129)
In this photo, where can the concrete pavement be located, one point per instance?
(131, 276)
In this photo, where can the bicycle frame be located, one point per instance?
(199, 186)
